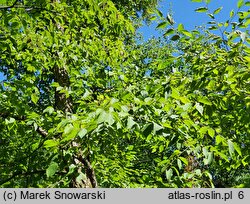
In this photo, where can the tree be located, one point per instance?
(83, 104)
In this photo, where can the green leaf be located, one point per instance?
(237, 148)
(55, 84)
(243, 36)
(199, 108)
(175, 37)
(204, 100)
(68, 129)
(169, 32)
(161, 148)
(179, 163)
(159, 13)
(180, 27)
(198, 1)
(244, 161)
(211, 15)
(70, 132)
(110, 120)
(211, 132)
(130, 123)
(198, 172)
(156, 127)
(3, 2)
(201, 9)
(205, 152)
(231, 13)
(240, 3)
(185, 32)
(217, 10)
(34, 98)
(52, 169)
(175, 94)
(102, 116)
(49, 110)
(184, 160)
(147, 129)
(203, 130)
(213, 28)
(223, 156)
(247, 3)
(169, 174)
(51, 143)
(11, 120)
(209, 158)
(152, 18)
(161, 25)
(82, 133)
(219, 139)
(62, 124)
(230, 147)
(170, 19)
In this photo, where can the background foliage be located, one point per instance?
(85, 103)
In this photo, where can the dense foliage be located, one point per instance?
(84, 103)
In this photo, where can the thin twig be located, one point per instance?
(40, 130)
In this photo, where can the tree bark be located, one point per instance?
(65, 104)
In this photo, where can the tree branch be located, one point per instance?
(89, 170)
(42, 132)
(39, 130)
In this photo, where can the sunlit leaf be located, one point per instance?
(231, 13)
(199, 108)
(157, 127)
(243, 36)
(51, 143)
(130, 123)
(34, 98)
(179, 163)
(49, 110)
(211, 132)
(237, 148)
(159, 13)
(175, 93)
(169, 174)
(185, 32)
(230, 147)
(180, 27)
(82, 132)
(184, 160)
(240, 3)
(217, 10)
(198, 1)
(170, 19)
(52, 169)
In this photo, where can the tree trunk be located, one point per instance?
(65, 104)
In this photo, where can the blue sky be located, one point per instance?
(183, 12)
